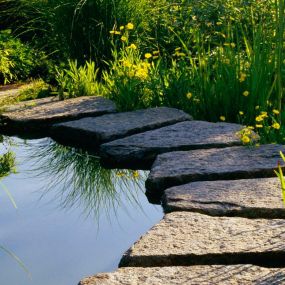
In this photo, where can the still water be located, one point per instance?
(73, 218)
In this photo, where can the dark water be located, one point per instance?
(74, 218)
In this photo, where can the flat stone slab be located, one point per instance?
(194, 275)
(93, 131)
(184, 238)
(43, 112)
(141, 149)
(181, 167)
(252, 198)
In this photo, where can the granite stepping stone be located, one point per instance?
(92, 132)
(194, 275)
(140, 150)
(44, 112)
(185, 238)
(181, 167)
(252, 198)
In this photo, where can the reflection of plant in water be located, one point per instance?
(82, 180)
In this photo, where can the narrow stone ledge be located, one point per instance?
(184, 238)
(91, 132)
(194, 275)
(41, 113)
(139, 151)
(252, 198)
(181, 167)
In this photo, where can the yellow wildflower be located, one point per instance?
(259, 118)
(276, 126)
(121, 28)
(136, 174)
(245, 93)
(117, 32)
(245, 139)
(132, 46)
(259, 126)
(112, 32)
(241, 113)
(242, 77)
(256, 107)
(189, 95)
(123, 38)
(276, 112)
(156, 52)
(148, 55)
(130, 26)
(222, 118)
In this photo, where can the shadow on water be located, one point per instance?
(77, 179)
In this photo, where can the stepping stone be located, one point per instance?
(195, 275)
(252, 198)
(181, 167)
(91, 132)
(184, 238)
(140, 150)
(48, 111)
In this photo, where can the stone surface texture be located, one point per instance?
(253, 198)
(94, 131)
(184, 238)
(141, 149)
(194, 275)
(180, 167)
(56, 111)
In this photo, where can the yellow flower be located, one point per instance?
(245, 93)
(121, 28)
(259, 126)
(242, 77)
(117, 32)
(241, 113)
(130, 26)
(189, 95)
(256, 107)
(132, 46)
(259, 118)
(112, 32)
(148, 55)
(276, 112)
(136, 174)
(123, 38)
(245, 139)
(222, 118)
(156, 52)
(276, 126)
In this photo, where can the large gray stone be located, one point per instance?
(180, 167)
(43, 112)
(253, 198)
(93, 131)
(140, 150)
(192, 275)
(185, 238)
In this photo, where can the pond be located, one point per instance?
(73, 217)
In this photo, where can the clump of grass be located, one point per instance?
(75, 81)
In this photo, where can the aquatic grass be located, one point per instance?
(280, 175)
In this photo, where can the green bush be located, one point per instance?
(18, 61)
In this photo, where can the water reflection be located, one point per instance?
(77, 179)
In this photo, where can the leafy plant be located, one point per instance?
(281, 177)
(76, 81)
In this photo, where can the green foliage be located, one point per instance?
(76, 81)
(280, 175)
(18, 61)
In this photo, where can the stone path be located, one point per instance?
(180, 167)
(92, 132)
(194, 275)
(223, 213)
(36, 117)
(252, 198)
(139, 151)
(184, 238)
